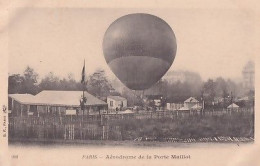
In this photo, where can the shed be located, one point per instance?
(190, 102)
(116, 102)
(233, 106)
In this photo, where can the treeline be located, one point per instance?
(28, 82)
(210, 91)
(99, 85)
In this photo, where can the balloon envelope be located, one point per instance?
(139, 49)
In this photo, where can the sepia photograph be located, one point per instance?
(138, 78)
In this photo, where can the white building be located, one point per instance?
(233, 107)
(190, 102)
(116, 102)
(174, 106)
(191, 105)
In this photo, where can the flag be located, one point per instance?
(83, 74)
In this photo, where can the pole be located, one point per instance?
(83, 98)
(142, 98)
(83, 81)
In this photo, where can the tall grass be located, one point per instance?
(235, 125)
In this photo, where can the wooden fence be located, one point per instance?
(91, 127)
(61, 128)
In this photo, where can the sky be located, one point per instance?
(211, 42)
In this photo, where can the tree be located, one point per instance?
(30, 81)
(15, 83)
(26, 83)
(221, 87)
(209, 89)
(70, 83)
(232, 87)
(98, 84)
(50, 82)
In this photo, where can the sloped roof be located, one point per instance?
(233, 105)
(62, 98)
(191, 100)
(117, 98)
(22, 98)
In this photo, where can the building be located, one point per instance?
(56, 103)
(190, 102)
(174, 106)
(249, 76)
(233, 107)
(116, 103)
(154, 100)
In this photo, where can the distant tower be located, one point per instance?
(249, 76)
